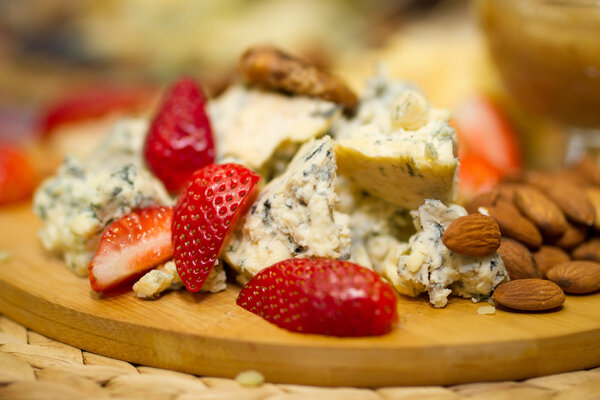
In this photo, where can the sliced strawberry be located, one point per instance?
(484, 130)
(329, 297)
(208, 209)
(93, 102)
(130, 246)
(476, 175)
(17, 174)
(180, 139)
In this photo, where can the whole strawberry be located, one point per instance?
(131, 246)
(329, 297)
(180, 139)
(208, 209)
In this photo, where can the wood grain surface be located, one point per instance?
(209, 335)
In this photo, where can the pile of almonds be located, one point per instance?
(550, 235)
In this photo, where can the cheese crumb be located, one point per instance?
(5, 256)
(486, 310)
(250, 378)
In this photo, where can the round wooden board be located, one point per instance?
(209, 335)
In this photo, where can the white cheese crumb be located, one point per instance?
(5, 256)
(486, 310)
(250, 378)
(483, 210)
(410, 111)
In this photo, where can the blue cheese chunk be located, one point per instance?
(165, 277)
(263, 129)
(293, 215)
(398, 148)
(86, 195)
(427, 265)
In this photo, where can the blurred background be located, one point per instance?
(68, 68)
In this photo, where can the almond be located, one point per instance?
(593, 195)
(482, 200)
(542, 211)
(571, 238)
(573, 201)
(589, 250)
(508, 190)
(474, 235)
(529, 295)
(517, 260)
(577, 277)
(514, 225)
(589, 169)
(548, 257)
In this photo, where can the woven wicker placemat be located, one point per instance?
(33, 366)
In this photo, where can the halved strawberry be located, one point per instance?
(180, 139)
(483, 129)
(17, 174)
(208, 209)
(131, 246)
(329, 297)
(93, 102)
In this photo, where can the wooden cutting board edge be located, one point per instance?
(301, 365)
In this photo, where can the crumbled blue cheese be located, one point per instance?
(86, 195)
(263, 130)
(165, 277)
(293, 215)
(397, 147)
(375, 224)
(427, 265)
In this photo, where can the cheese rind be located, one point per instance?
(427, 265)
(397, 148)
(87, 195)
(293, 215)
(264, 129)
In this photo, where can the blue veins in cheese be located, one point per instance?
(293, 216)
(86, 195)
(263, 130)
(397, 147)
(426, 265)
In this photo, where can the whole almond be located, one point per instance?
(548, 257)
(577, 277)
(593, 195)
(573, 201)
(529, 295)
(542, 211)
(508, 190)
(589, 250)
(571, 238)
(589, 169)
(482, 200)
(514, 225)
(517, 259)
(474, 235)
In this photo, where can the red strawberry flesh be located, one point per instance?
(131, 246)
(180, 139)
(329, 297)
(208, 210)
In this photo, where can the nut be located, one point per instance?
(593, 195)
(482, 200)
(273, 69)
(577, 276)
(547, 257)
(542, 211)
(474, 235)
(514, 225)
(573, 236)
(589, 250)
(517, 260)
(588, 169)
(572, 200)
(529, 295)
